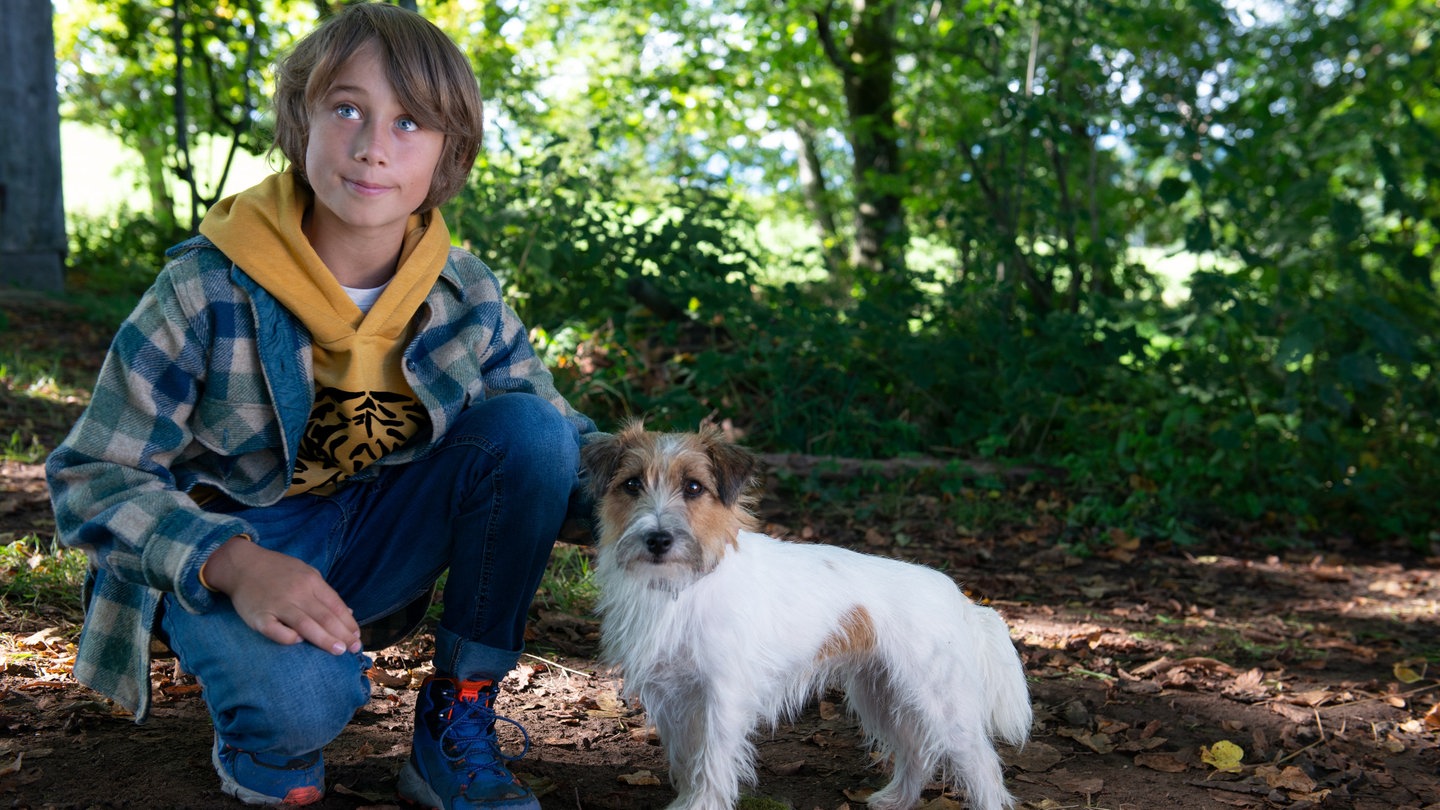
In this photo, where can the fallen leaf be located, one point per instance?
(1290, 778)
(539, 785)
(645, 734)
(1312, 698)
(1249, 681)
(645, 778)
(13, 767)
(381, 677)
(369, 796)
(46, 638)
(786, 768)
(608, 706)
(1111, 727)
(1099, 743)
(1405, 670)
(1223, 756)
(1082, 786)
(1035, 757)
(1142, 744)
(523, 674)
(181, 689)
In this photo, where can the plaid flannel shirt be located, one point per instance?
(208, 383)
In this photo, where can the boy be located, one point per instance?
(317, 408)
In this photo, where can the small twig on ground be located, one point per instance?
(1374, 698)
(547, 662)
(1293, 754)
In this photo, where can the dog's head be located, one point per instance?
(669, 505)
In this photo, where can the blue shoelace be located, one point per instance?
(473, 722)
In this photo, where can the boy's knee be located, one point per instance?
(301, 712)
(532, 433)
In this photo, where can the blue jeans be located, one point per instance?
(487, 504)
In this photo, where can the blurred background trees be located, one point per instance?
(1181, 251)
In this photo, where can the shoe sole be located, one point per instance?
(297, 797)
(414, 790)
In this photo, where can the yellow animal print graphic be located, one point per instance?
(348, 431)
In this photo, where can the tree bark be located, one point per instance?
(822, 211)
(32, 208)
(868, 64)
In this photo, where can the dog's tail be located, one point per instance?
(1004, 679)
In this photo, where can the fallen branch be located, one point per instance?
(1231, 787)
(839, 467)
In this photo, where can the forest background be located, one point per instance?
(1180, 255)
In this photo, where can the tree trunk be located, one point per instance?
(868, 65)
(822, 210)
(32, 208)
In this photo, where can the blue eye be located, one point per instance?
(347, 111)
(407, 125)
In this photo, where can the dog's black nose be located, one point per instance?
(658, 542)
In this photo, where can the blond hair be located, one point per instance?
(432, 78)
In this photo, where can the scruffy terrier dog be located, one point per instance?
(718, 629)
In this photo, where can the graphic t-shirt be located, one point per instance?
(364, 407)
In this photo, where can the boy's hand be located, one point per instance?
(281, 597)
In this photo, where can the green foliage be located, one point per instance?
(37, 577)
(113, 259)
(637, 147)
(170, 79)
(1250, 400)
(628, 284)
(569, 585)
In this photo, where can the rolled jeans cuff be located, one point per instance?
(469, 660)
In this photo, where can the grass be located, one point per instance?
(37, 398)
(36, 375)
(569, 585)
(39, 578)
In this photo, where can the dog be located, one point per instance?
(718, 630)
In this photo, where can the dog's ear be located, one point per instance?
(600, 456)
(734, 466)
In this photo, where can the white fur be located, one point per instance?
(713, 656)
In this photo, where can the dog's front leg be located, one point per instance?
(706, 737)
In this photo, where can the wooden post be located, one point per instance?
(32, 208)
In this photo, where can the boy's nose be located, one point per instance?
(370, 146)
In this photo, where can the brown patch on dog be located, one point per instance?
(668, 463)
(856, 634)
(716, 523)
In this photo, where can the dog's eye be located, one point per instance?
(632, 486)
(694, 489)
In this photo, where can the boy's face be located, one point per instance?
(368, 162)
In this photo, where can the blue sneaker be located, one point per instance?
(268, 781)
(456, 762)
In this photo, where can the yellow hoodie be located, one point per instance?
(363, 408)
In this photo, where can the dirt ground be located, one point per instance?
(1163, 678)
